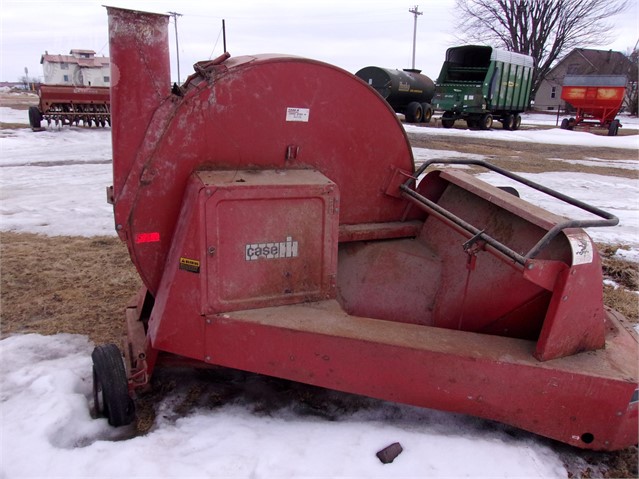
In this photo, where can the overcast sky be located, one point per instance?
(351, 34)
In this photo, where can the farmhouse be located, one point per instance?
(580, 61)
(80, 67)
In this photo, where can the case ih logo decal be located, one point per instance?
(286, 249)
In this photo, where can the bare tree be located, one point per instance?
(29, 82)
(544, 29)
(632, 96)
(25, 80)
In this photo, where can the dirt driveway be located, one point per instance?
(524, 157)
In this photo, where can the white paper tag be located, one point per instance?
(297, 114)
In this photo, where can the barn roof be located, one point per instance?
(93, 62)
(583, 61)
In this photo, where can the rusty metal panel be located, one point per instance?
(521, 208)
(379, 231)
(232, 193)
(140, 81)
(263, 112)
(271, 237)
(574, 321)
(487, 376)
(396, 280)
(478, 291)
(78, 95)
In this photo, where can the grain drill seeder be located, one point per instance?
(71, 105)
(272, 209)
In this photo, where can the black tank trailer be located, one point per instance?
(406, 91)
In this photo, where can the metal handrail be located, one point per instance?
(608, 219)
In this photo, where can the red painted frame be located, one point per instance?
(527, 345)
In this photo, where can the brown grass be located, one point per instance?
(623, 301)
(626, 274)
(13, 126)
(18, 100)
(64, 284)
(622, 271)
(82, 285)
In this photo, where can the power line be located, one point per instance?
(177, 47)
(346, 16)
(215, 45)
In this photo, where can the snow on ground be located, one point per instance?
(10, 115)
(48, 432)
(425, 154)
(55, 200)
(551, 119)
(554, 136)
(73, 146)
(619, 196)
(53, 182)
(622, 164)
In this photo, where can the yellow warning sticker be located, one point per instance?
(191, 265)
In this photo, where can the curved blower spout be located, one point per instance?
(140, 81)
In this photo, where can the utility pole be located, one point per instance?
(177, 47)
(415, 11)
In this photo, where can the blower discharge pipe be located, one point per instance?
(140, 81)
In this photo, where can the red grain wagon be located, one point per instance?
(597, 99)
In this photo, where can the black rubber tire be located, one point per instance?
(427, 112)
(508, 122)
(414, 112)
(564, 124)
(448, 122)
(110, 386)
(613, 129)
(35, 117)
(517, 122)
(486, 122)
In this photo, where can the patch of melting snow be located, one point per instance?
(48, 432)
(622, 164)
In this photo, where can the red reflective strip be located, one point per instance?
(147, 237)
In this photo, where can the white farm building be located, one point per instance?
(80, 67)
